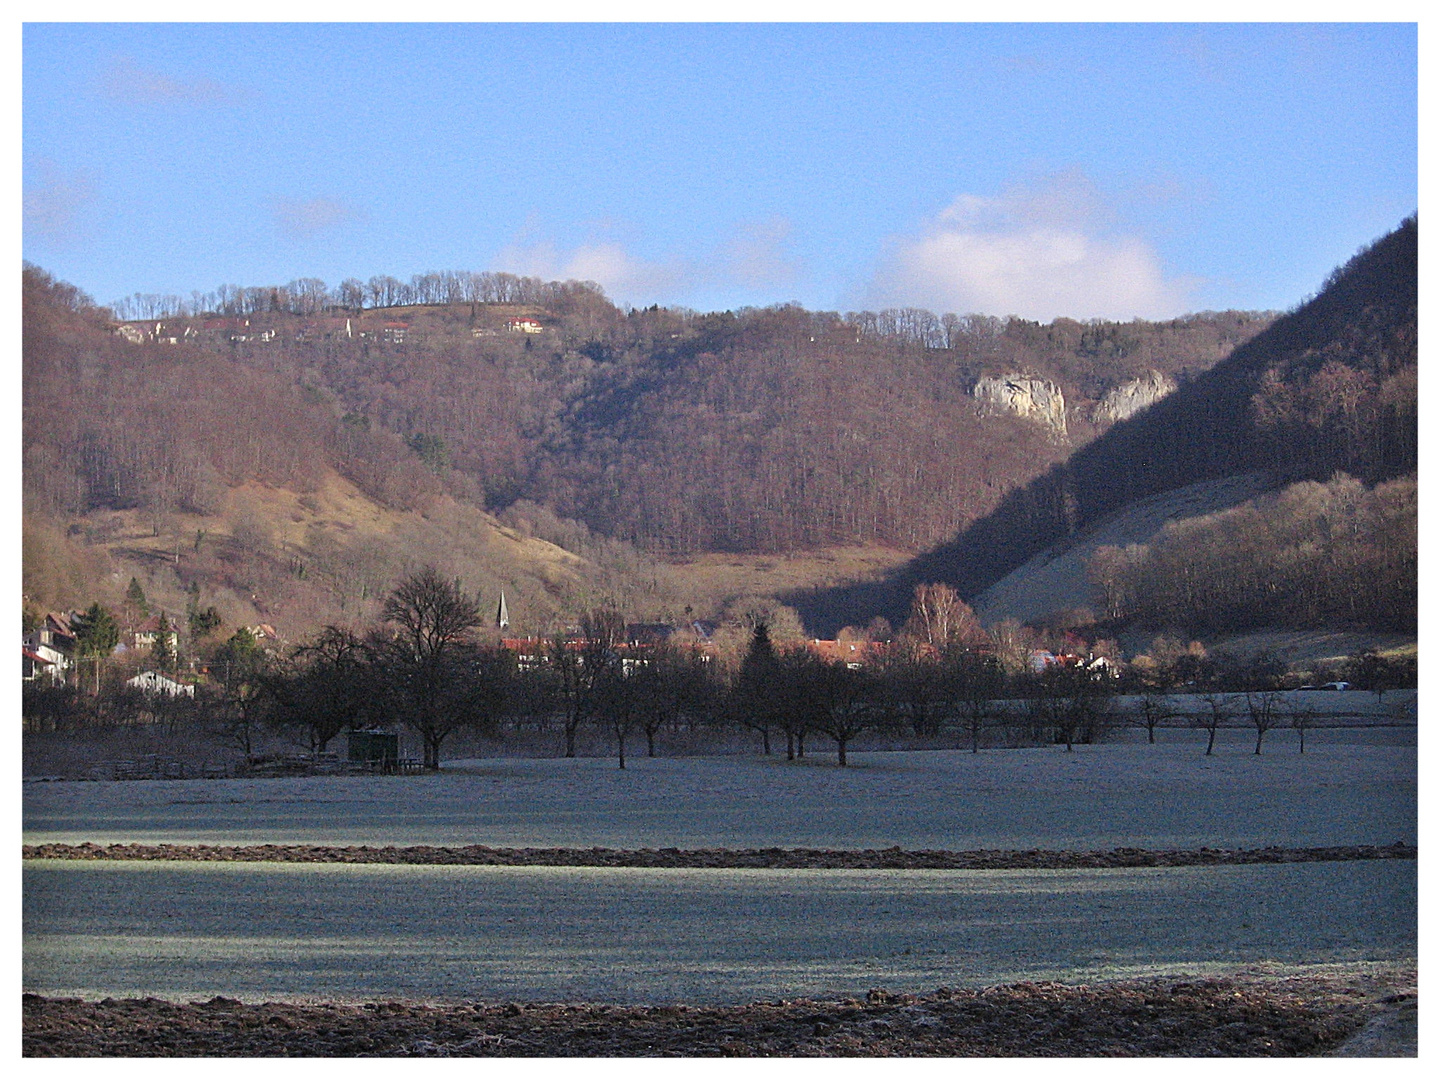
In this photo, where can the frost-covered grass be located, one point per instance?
(1350, 787)
(274, 932)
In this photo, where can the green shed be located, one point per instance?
(378, 749)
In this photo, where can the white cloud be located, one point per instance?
(126, 82)
(57, 204)
(624, 278)
(760, 256)
(305, 218)
(1039, 252)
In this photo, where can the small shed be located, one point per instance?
(378, 749)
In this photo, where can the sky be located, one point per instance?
(1040, 170)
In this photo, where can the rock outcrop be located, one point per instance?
(1127, 399)
(1027, 396)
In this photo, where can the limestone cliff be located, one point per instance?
(1027, 396)
(1127, 399)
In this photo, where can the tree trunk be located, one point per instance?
(1259, 734)
(765, 740)
(620, 742)
(840, 747)
(800, 744)
(649, 742)
(570, 727)
(432, 753)
(789, 746)
(1210, 746)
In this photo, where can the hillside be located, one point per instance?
(292, 456)
(1059, 580)
(1330, 387)
(209, 480)
(761, 431)
(681, 460)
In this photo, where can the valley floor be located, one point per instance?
(1196, 955)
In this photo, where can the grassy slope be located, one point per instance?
(252, 554)
(297, 561)
(1056, 579)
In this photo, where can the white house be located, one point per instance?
(153, 682)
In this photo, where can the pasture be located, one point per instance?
(1349, 787)
(267, 931)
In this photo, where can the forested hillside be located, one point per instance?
(1314, 555)
(1330, 387)
(766, 430)
(654, 433)
(216, 483)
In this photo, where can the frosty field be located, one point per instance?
(276, 932)
(271, 931)
(1349, 787)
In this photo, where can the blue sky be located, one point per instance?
(1040, 170)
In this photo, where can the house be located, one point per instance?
(524, 325)
(36, 668)
(152, 682)
(132, 334)
(144, 635)
(853, 654)
(49, 648)
(530, 653)
(648, 633)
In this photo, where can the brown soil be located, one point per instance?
(1245, 1015)
(717, 858)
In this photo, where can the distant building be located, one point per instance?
(152, 682)
(146, 634)
(853, 654)
(49, 649)
(36, 668)
(524, 325)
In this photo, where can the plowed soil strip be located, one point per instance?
(1224, 1017)
(716, 858)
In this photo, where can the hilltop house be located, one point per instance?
(145, 635)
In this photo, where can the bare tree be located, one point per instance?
(979, 680)
(1302, 719)
(432, 613)
(940, 619)
(324, 689)
(839, 699)
(663, 683)
(1264, 708)
(420, 668)
(1154, 707)
(1218, 711)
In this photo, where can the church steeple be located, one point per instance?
(502, 615)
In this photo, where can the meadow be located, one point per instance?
(267, 931)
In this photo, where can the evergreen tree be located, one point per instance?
(96, 636)
(136, 606)
(163, 653)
